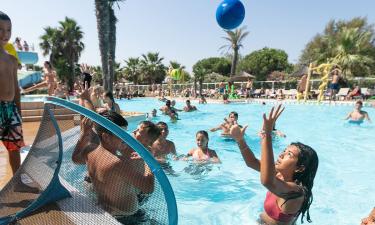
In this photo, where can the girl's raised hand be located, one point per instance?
(269, 123)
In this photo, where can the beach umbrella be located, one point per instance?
(243, 76)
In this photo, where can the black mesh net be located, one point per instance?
(108, 182)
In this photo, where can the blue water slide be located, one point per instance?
(28, 57)
(28, 78)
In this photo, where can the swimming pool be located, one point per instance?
(38, 98)
(33, 98)
(231, 193)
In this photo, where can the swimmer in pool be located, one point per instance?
(162, 146)
(174, 116)
(228, 123)
(166, 108)
(358, 115)
(189, 107)
(154, 113)
(202, 153)
(289, 179)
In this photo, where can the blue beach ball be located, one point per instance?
(230, 14)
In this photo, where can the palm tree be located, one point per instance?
(199, 74)
(64, 46)
(132, 70)
(235, 43)
(350, 51)
(49, 42)
(72, 35)
(102, 22)
(106, 24)
(152, 67)
(118, 72)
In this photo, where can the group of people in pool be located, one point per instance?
(289, 179)
(119, 175)
(170, 109)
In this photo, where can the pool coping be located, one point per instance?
(367, 103)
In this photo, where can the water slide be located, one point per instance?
(28, 78)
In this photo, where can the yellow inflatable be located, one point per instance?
(12, 51)
(324, 70)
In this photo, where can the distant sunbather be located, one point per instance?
(355, 92)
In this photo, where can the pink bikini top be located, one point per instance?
(274, 211)
(196, 155)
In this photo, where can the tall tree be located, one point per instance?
(152, 67)
(350, 52)
(64, 46)
(218, 65)
(132, 70)
(263, 62)
(235, 39)
(350, 44)
(199, 73)
(106, 24)
(102, 22)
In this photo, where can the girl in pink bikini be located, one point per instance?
(289, 180)
(202, 153)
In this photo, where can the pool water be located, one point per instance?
(231, 193)
(33, 98)
(38, 98)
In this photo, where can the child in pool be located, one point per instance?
(358, 115)
(228, 123)
(202, 153)
(289, 179)
(174, 116)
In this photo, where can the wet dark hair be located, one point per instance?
(161, 123)
(203, 132)
(174, 112)
(113, 117)
(309, 160)
(234, 113)
(168, 103)
(187, 101)
(151, 129)
(48, 63)
(109, 95)
(4, 17)
(359, 102)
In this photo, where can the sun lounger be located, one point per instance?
(256, 93)
(343, 92)
(292, 93)
(364, 93)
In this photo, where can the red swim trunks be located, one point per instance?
(10, 126)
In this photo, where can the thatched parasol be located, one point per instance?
(243, 76)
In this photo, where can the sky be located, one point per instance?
(185, 30)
